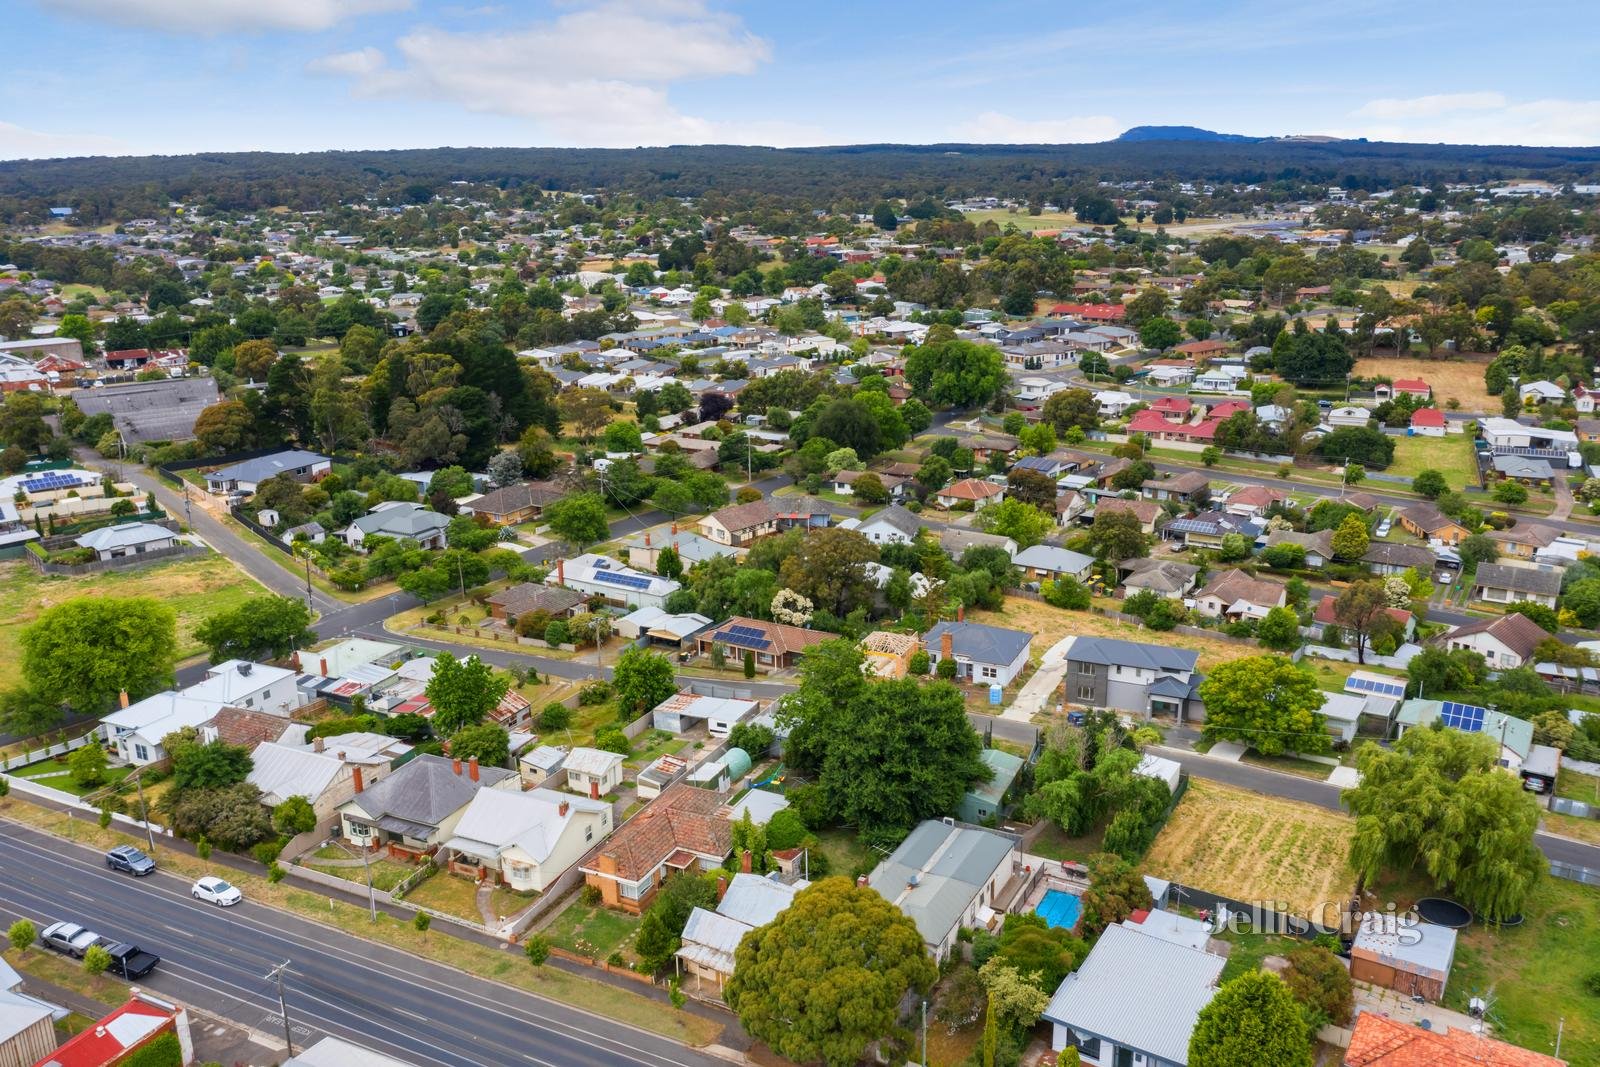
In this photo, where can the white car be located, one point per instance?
(214, 890)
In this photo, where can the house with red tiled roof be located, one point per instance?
(1379, 1041)
(1505, 643)
(1324, 617)
(1202, 349)
(246, 727)
(974, 491)
(1092, 312)
(681, 830)
(1403, 387)
(1428, 422)
(1175, 408)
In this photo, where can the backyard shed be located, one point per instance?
(1413, 959)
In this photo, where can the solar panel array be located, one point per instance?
(1375, 685)
(627, 581)
(1465, 717)
(51, 480)
(745, 637)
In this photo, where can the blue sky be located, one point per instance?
(169, 76)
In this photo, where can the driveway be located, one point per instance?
(1037, 691)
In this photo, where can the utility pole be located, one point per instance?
(288, 1038)
(188, 512)
(372, 900)
(309, 606)
(144, 813)
(924, 1032)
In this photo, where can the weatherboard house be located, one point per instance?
(600, 576)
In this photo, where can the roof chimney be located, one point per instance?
(647, 539)
(472, 768)
(122, 697)
(294, 661)
(358, 783)
(339, 756)
(562, 809)
(861, 880)
(324, 666)
(744, 861)
(947, 646)
(456, 766)
(316, 746)
(961, 613)
(674, 529)
(722, 887)
(561, 572)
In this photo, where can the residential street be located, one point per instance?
(336, 984)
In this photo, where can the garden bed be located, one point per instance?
(592, 930)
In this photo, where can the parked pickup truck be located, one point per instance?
(128, 960)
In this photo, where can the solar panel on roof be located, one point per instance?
(1374, 685)
(745, 637)
(628, 581)
(1464, 717)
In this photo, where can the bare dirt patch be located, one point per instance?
(1049, 625)
(1252, 847)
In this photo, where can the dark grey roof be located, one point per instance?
(979, 643)
(1395, 555)
(1113, 652)
(263, 467)
(898, 517)
(152, 411)
(1519, 579)
(936, 873)
(425, 791)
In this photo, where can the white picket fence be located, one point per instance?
(47, 751)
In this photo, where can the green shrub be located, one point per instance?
(589, 896)
(275, 873)
(21, 934)
(555, 716)
(537, 949)
(267, 852)
(96, 960)
(612, 740)
(596, 692)
(421, 922)
(202, 847)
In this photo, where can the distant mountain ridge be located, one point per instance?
(1185, 133)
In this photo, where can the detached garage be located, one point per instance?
(1412, 959)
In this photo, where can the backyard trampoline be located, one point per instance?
(1442, 912)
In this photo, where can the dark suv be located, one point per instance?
(127, 858)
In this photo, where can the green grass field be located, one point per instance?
(1450, 455)
(1535, 972)
(592, 931)
(195, 588)
(1022, 220)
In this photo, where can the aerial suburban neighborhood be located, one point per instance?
(993, 602)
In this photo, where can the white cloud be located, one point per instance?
(1424, 107)
(1490, 120)
(599, 75)
(206, 17)
(992, 127)
(363, 61)
(18, 142)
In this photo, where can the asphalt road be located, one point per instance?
(217, 960)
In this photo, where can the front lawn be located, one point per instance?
(1249, 949)
(592, 930)
(1451, 455)
(1050, 624)
(1289, 765)
(386, 874)
(55, 775)
(452, 894)
(1575, 786)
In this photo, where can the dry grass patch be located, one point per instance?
(195, 588)
(1049, 625)
(1252, 847)
(1462, 382)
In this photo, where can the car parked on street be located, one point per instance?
(127, 858)
(213, 890)
(127, 959)
(69, 939)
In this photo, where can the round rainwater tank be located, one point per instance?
(737, 760)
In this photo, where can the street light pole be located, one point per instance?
(144, 812)
(372, 900)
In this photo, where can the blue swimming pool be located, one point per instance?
(1059, 908)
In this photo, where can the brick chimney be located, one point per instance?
(961, 613)
(324, 666)
(744, 861)
(356, 771)
(647, 539)
(861, 880)
(316, 746)
(294, 661)
(472, 768)
(674, 529)
(947, 646)
(561, 572)
(722, 887)
(562, 809)
(339, 756)
(122, 697)
(456, 766)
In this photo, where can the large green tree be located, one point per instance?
(1267, 703)
(661, 927)
(829, 568)
(1252, 1020)
(955, 373)
(643, 679)
(84, 652)
(884, 755)
(269, 627)
(1438, 799)
(579, 518)
(463, 692)
(826, 978)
